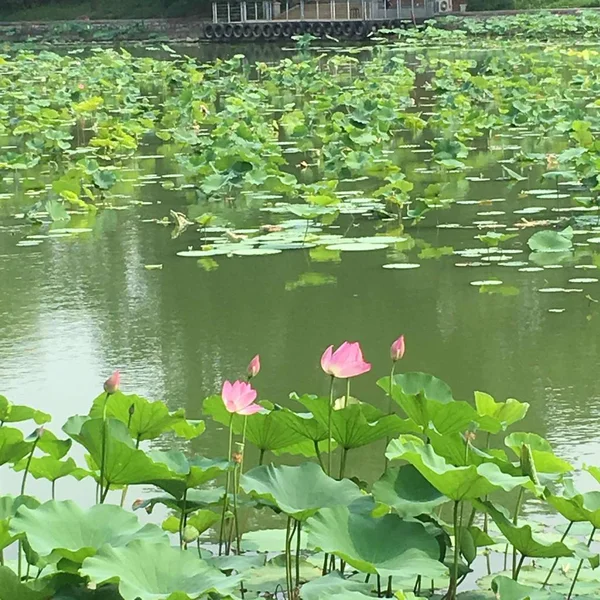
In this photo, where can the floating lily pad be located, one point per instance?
(401, 266)
(255, 251)
(357, 247)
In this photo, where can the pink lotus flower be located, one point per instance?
(397, 349)
(254, 367)
(239, 398)
(111, 385)
(346, 361)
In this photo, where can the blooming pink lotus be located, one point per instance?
(239, 398)
(254, 367)
(397, 349)
(347, 361)
(111, 385)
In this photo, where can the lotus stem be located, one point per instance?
(378, 585)
(318, 453)
(288, 558)
(389, 411)
(182, 517)
(103, 451)
(515, 522)
(261, 457)
(298, 544)
(227, 480)
(562, 539)
(589, 543)
(241, 469)
(28, 465)
(324, 569)
(347, 398)
(53, 489)
(416, 589)
(329, 416)
(343, 463)
(518, 569)
(454, 577)
(238, 537)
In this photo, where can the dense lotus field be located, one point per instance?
(331, 149)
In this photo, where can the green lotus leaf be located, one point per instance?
(203, 520)
(52, 469)
(428, 402)
(125, 464)
(12, 445)
(11, 588)
(498, 416)
(407, 492)
(267, 540)
(508, 589)
(354, 425)
(9, 505)
(521, 537)
(239, 564)
(544, 458)
(306, 424)
(387, 545)
(183, 473)
(147, 570)
(149, 419)
(577, 507)
(333, 584)
(458, 483)
(52, 446)
(61, 529)
(298, 491)
(551, 241)
(196, 499)
(12, 413)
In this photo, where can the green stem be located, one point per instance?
(378, 585)
(182, 517)
(562, 539)
(454, 577)
(227, 481)
(54, 489)
(318, 453)
(580, 565)
(261, 457)
(288, 557)
(324, 569)
(105, 493)
(243, 450)
(389, 593)
(347, 398)
(389, 411)
(238, 537)
(329, 416)
(103, 450)
(298, 544)
(515, 523)
(35, 443)
(343, 463)
(518, 569)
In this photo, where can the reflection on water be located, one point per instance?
(73, 309)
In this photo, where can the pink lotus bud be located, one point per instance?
(254, 367)
(111, 385)
(397, 349)
(239, 398)
(347, 361)
(81, 86)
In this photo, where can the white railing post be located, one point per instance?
(317, 5)
(332, 10)
(215, 16)
(347, 10)
(302, 10)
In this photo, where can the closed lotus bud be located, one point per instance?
(397, 349)
(36, 435)
(131, 410)
(111, 385)
(254, 367)
(190, 534)
(527, 464)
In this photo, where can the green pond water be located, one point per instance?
(74, 308)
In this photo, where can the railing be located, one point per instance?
(243, 11)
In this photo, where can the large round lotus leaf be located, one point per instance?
(508, 589)
(333, 584)
(498, 416)
(185, 473)
(577, 507)
(428, 402)
(355, 425)
(407, 492)
(544, 458)
(156, 571)
(11, 587)
(12, 413)
(9, 505)
(298, 491)
(125, 464)
(149, 419)
(551, 241)
(50, 468)
(64, 530)
(521, 537)
(12, 445)
(387, 545)
(458, 483)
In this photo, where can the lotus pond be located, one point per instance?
(173, 218)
